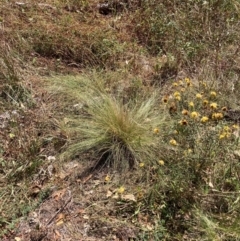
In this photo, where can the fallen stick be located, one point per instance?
(58, 211)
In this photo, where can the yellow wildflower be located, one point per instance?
(141, 164)
(175, 132)
(165, 99)
(220, 116)
(178, 98)
(224, 108)
(217, 116)
(183, 122)
(191, 104)
(228, 134)
(172, 108)
(213, 105)
(213, 94)
(226, 129)
(185, 112)
(236, 127)
(204, 84)
(222, 136)
(180, 82)
(225, 134)
(194, 115)
(177, 95)
(182, 89)
(204, 119)
(199, 96)
(121, 189)
(161, 162)
(156, 130)
(188, 81)
(175, 84)
(187, 152)
(107, 178)
(205, 102)
(214, 116)
(173, 142)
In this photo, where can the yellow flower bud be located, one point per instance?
(161, 162)
(141, 164)
(165, 99)
(199, 96)
(188, 82)
(185, 112)
(194, 115)
(183, 122)
(217, 116)
(156, 130)
(173, 142)
(204, 119)
(213, 94)
(213, 105)
(191, 104)
(121, 189)
(107, 178)
(205, 102)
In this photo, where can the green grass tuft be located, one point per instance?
(120, 133)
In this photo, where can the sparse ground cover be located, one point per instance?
(122, 126)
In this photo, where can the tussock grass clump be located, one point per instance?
(118, 133)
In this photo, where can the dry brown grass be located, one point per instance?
(136, 51)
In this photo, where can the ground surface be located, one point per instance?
(68, 205)
(46, 197)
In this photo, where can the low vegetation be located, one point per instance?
(119, 131)
(141, 98)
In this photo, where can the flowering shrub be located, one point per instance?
(196, 151)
